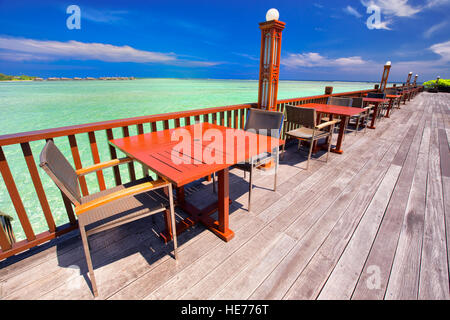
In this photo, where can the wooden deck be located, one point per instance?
(372, 223)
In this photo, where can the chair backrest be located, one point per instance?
(376, 95)
(358, 102)
(390, 91)
(302, 116)
(60, 171)
(336, 101)
(264, 122)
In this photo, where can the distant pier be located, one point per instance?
(81, 79)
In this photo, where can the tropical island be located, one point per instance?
(4, 77)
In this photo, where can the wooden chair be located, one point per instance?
(268, 123)
(109, 208)
(362, 117)
(308, 131)
(338, 101)
(396, 101)
(382, 107)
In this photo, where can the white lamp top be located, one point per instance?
(410, 72)
(388, 63)
(272, 14)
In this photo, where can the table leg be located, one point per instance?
(389, 108)
(180, 195)
(224, 199)
(374, 116)
(220, 227)
(340, 138)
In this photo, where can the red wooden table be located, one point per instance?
(391, 98)
(376, 101)
(192, 152)
(343, 112)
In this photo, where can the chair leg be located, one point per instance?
(214, 182)
(309, 154)
(329, 147)
(88, 259)
(250, 187)
(276, 169)
(366, 121)
(172, 220)
(357, 125)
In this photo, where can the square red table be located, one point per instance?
(332, 110)
(376, 101)
(391, 98)
(163, 153)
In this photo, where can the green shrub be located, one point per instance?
(432, 83)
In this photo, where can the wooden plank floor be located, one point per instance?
(372, 223)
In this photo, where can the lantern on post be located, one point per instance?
(269, 68)
(385, 76)
(408, 81)
(415, 80)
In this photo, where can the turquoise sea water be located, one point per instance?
(27, 106)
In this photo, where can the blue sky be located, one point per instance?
(323, 40)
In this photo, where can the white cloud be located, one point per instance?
(429, 32)
(382, 25)
(399, 8)
(426, 69)
(442, 49)
(390, 9)
(369, 69)
(352, 11)
(313, 59)
(103, 16)
(30, 49)
(436, 3)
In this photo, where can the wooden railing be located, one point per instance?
(232, 116)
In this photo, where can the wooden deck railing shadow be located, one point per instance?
(232, 116)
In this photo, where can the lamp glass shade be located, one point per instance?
(272, 14)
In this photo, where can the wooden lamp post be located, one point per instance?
(408, 81)
(385, 76)
(415, 80)
(269, 67)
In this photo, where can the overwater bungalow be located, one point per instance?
(53, 79)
